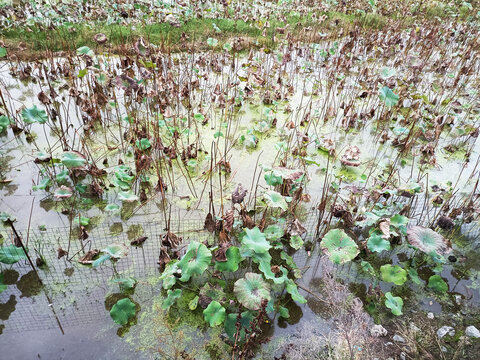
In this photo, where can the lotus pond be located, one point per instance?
(281, 197)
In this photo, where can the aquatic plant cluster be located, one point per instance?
(372, 133)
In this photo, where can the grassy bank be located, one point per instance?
(33, 42)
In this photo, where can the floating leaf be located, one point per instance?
(339, 247)
(275, 200)
(214, 314)
(127, 196)
(116, 251)
(34, 115)
(399, 222)
(123, 311)
(427, 240)
(233, 259)
(85, 50)
(195, 261)
(283, 311)
(143, 144)
(273, 232)
(388, 96)
(272, 179)
(255, 241)
(112, 208)
(11, 254)
(251, 290)
(246, 318)
(394, 303)
(394, 274)
(376, 243)
(292, 289)
(63, 192)
(172, 296)
(436, 283)
(73, 159)
(125, 283)
(3, 52)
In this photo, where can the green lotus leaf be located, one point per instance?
(73, 159)
(275, 200)
(172, 296)
(436, 283)
(4, 217)
(11, 254)
(34, 115)
(272, 179)
(296, 242)
(143, 144)
(367, 268)
(394, 274)
(195, 261)
(85, 50)
(233, 259)
(246, 318)
(123, 311)
(413, 274)
(213, 292)
(399, 222)
(212, 42)
(62, 176)
(112, 208)
(283, 312)
(168, 275)
(339, 247)
(273, 232)
(3, 52)
(255, 241)
(4, 123)
(376, 243)
(292, 289)
(192, 305)
(394, 303)
(388, 96)
(125, 283)
(116, 251)
(251, 290)
(82, 220)
(127, 196)
(43, 184)
(101, 260)
(214, 314)
(427, 240)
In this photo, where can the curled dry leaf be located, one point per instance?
(139, 241)
(87, 259)
(295, 228)
(209, 223)
(100, 38)
(171, 240)
(163, 259)
(384, 227)
(239, 194)
(61, 253)
(228, 220)
(427, 240)
(351, 156)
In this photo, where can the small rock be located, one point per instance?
(444, 330)
(403, 356)
(398, 338)
(430, 315)
(472, 331)
(443, 348)
(458, 299)
(378, 330)
(414, 328)
(388, 344)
